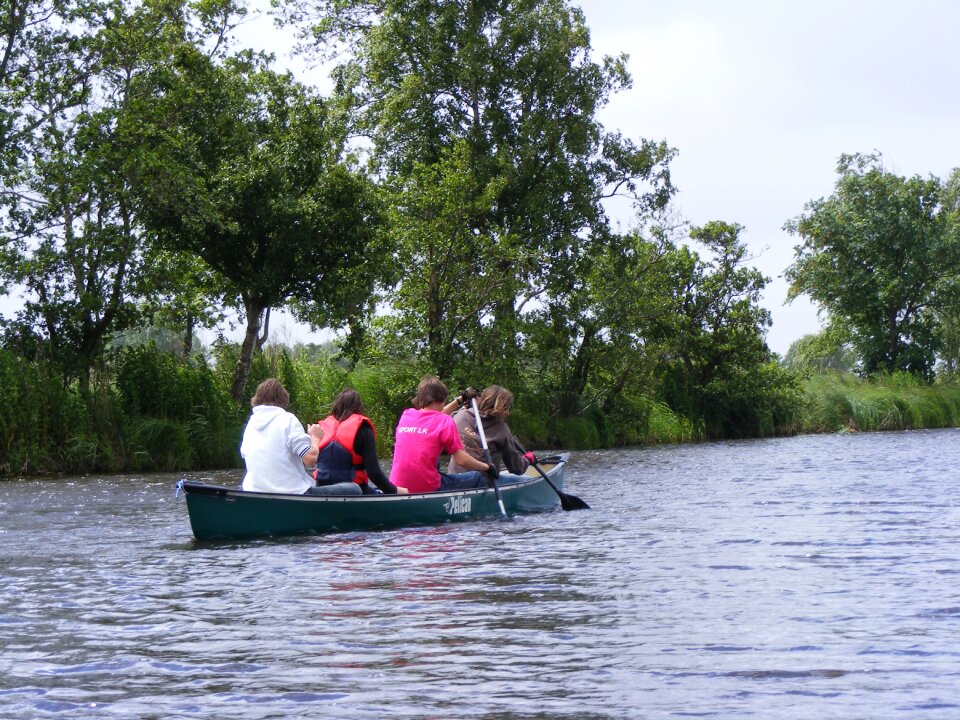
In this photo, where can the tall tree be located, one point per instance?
(717, 341)
(72, 241)
(881, 256)
(513, 86)
(246, 170)
(45, 68)
(74, 237)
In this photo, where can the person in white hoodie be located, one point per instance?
(277, 451)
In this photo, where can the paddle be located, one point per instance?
(486, 454)
(567, 502)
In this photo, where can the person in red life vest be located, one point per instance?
(494, 404)
(348, 451)
(425, 432)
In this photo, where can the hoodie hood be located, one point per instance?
(263, 415)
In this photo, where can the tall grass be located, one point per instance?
(839, 402)
(147, 410)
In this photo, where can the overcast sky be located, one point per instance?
(761, 97)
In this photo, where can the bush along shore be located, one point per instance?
(150, 411)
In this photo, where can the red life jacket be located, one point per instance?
(344, 433)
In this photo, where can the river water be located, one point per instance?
(806, 577)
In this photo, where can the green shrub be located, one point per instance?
(577, 433)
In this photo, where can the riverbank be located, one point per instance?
(839, 402)
(153, 412)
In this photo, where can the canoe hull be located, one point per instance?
(230, 513)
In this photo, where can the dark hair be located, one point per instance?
(430, 390)
(271, 392)
(347, 403)
(495, 401)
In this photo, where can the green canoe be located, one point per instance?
(222, 512)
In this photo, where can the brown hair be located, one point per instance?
(430, 390)
(495, 401)
(347, 403)
(271, 392)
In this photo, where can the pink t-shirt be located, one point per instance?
(421, 437)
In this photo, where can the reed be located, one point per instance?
(666, 426)
(842, 402)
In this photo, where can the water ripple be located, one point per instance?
(795, 578)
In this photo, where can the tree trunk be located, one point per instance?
(264, 336)
(253, 309)
(578, 378)
(188, 335)
(625, 371)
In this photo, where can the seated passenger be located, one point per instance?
(494, 405)
(275, 449)
(425, 432)
(348, 451)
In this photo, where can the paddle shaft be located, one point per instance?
(486, 454)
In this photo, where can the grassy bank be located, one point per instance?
(840, 401)
(148, 411)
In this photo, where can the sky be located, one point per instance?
(760, 98)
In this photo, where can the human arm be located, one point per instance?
(461, 400)
(515, 461)
(366, 446)
(466, 460)
(309, 458)
(451, 407)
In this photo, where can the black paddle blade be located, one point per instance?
(572, 502)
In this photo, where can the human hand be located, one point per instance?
(315, 431)
(469, 394)
(492, 472)
(402, 491)
(530, 457)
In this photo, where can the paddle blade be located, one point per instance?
(572, 502)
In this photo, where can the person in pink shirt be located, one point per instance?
(424, 433)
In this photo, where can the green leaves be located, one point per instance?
(248, 175)
(881, 255)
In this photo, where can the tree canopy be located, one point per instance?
(881, 256)
(505, 94)
(247, 172)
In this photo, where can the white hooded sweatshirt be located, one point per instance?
(273, 443)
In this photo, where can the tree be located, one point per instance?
(881, 256)
(74, 236)
(715, 353)
(607, 332)
(72, 241)
(45, 68)
(246, 170)
(825, 351)
(509, 92)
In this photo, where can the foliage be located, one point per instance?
(881, 256)
(716, 367)
(434, 311)
(153, 181)
(827, 350)
(246, 172)
(842, 402)
(483, 120)
(45, 67)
